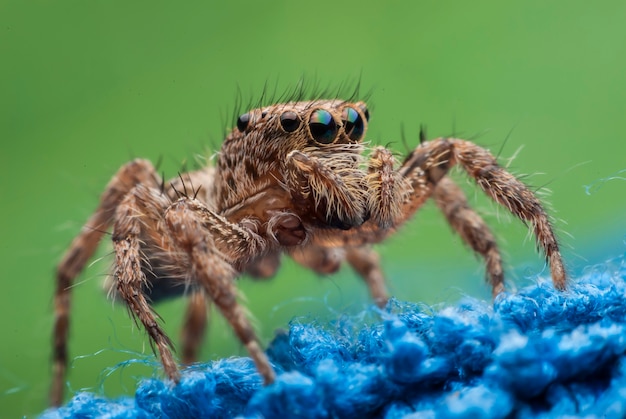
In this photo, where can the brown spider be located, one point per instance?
(291, 178)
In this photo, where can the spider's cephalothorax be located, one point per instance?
(259, 160)
(290, 178)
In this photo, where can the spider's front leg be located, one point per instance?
(194, 326)
(200, 246)
(218, 250)
(426, 168)
(470, 226)
(139, 217)
(80, 251)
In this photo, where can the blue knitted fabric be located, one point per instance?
(532, 354)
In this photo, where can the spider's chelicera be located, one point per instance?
(292, 178)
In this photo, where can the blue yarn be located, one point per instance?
(537, 353)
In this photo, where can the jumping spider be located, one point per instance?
(290, 178)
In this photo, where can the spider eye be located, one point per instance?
(363, 109)
(290, 121)
(352, 123)
(323, 127)
(243, 121)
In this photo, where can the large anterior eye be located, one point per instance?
(290, 121)
(323, 127)
(352, 123)
(243, 121)
(363, 109)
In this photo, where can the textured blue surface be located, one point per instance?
(533, 354)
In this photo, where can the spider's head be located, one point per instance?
(317, 124)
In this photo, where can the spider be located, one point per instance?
(291, 178)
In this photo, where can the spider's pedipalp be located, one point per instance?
(387, 188)
(333, 198)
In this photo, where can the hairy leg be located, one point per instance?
(321, 260)
(79, 252)
(139, 216)
(214, 245)
(194, 326)
(430, 162)
(366, 262)
(264, 267)
(470, 226)
(424, 169)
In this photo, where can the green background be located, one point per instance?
(87, 85)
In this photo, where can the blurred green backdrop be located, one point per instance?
(86, 85)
